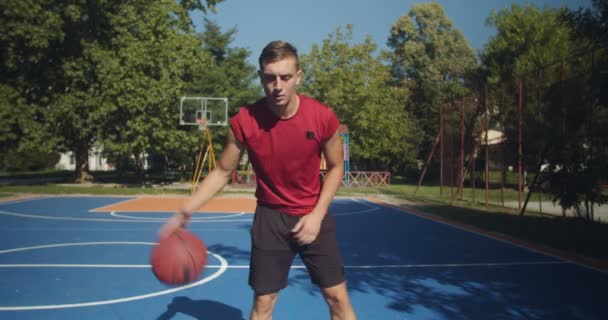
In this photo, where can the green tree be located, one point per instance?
(590, 27)
(145, 69)
(228, 74)
(431, 59)
(80, 64)
(528, 39)
(537, 47)
(591, 23)
(27, 34)
(24, 144)
(356, 85)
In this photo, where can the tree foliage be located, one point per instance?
(591, 23)
(527, 39)
(27, 34)
(150, 54)
(98, 72)
(432, 60)
(228, 74)
(358, 87)
(561, 117)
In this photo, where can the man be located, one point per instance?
(284, 134)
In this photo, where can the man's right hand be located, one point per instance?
(180, 219)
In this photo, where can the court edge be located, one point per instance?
(591, 263)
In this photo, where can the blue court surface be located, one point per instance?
(61, 260)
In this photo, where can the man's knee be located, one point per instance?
(339, 302)
(264, 303)
(337, 296)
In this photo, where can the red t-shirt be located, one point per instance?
(286, 153)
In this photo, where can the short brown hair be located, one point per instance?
(278, 50)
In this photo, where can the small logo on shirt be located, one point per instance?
(310, 135)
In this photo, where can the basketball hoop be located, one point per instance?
(202, 123)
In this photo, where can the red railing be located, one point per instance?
(366, 179)
(243, 179)
(351, 179)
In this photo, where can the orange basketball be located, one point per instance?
(179, 258)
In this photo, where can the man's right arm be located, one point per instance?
(213, 183)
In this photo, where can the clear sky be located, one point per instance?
(306, 22)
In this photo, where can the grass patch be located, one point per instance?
(6, 195)
(93, 189)
(37, 174)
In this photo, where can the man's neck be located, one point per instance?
(288, 111)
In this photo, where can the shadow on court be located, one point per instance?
(525, 292)
(431, 271)
(201, 310)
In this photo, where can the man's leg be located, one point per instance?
(271, 258)
(338, 301)
(326, 268)
(263, 304)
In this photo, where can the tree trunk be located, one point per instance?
(82, 164)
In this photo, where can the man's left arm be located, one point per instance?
(308, 227)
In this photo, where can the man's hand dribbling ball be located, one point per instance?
(180, 219)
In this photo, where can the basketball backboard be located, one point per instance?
(212, 111)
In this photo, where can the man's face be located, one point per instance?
(279, 79)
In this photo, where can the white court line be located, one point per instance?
(76, 244)
(101, 266)
(458, 265)
(381, 266)
(197, 220)
(21, 200)
(221, 269)
(222, 216)
(128, 199)
(23, 215)
(489, 236)
(371, 208)
(63, 265)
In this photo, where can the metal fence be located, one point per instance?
(493, 144)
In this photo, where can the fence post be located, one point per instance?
(441, 150)
(520, 152)
(487, 146)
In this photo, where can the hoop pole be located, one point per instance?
(198, 167)
(210, 150)
(202, 159)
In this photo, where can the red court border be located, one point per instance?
(172, 204)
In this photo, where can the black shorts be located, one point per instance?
(273, 250)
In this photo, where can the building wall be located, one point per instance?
(67, 161)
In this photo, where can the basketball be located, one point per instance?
(178, 259)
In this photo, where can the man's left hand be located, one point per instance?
(307, 229)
